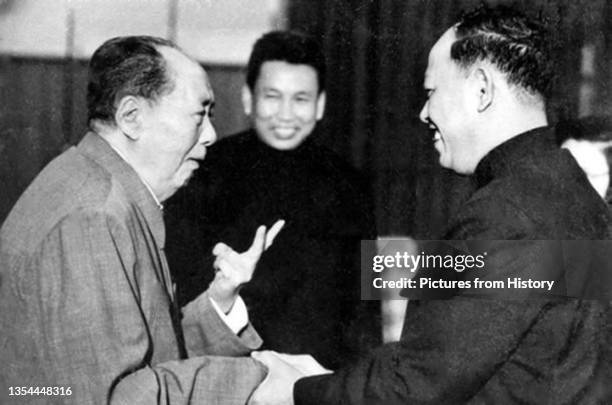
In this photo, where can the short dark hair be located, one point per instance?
(126, 66)
(286, 46)
(517, 45)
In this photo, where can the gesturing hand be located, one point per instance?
(234, 269)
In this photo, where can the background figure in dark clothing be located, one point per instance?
(305, 295)
(589, 140)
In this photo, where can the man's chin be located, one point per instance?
(187, 179)
(464, 170)
(444, 163)
(284, 144)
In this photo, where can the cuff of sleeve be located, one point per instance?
(311, 390)
(237, 318)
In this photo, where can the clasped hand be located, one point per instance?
(233, 269)
(283, 372)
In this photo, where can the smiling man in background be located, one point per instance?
(304, 297)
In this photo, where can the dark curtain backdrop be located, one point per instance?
(377, 54)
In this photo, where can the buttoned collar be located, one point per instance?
(517, 152)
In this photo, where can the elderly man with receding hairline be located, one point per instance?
(89, 313)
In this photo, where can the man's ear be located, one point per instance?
(485, 86)
(321, 105)
(129, 116)
(247, 99)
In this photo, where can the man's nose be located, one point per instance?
(424, 115)
(285, 110)
(208, 135)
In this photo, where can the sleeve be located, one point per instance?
(206, 333)
(449, 348)
(96, 337)
(446, 354)
(237, 318)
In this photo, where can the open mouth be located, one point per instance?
(436, 134)
(434, 129)
(285, 132)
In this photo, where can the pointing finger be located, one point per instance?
(271, 234)
(257, 246)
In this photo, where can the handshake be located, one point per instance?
(283, 371)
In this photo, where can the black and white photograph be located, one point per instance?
(309, 202)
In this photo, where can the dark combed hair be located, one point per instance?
(286, 46)
(518, 46)
(126, 66)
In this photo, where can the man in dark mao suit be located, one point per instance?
(487, 80)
